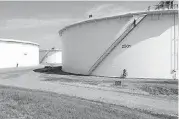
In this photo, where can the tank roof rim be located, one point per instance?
(116, 16)
(18, 41)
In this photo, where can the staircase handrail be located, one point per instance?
(114, 44)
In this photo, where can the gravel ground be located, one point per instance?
(17, 103)
(141, 95)
(160, 88)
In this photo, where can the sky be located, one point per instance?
(40, 21)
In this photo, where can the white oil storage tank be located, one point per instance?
(16, 53)
(51, 56)
(139, 45)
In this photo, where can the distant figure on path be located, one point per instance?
(17, 65)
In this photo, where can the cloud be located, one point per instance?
(42, 31)
(16, 24)
(107, 10)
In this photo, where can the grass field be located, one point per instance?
(16, 103)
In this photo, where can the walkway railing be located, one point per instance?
(163, 6)
(130, 25)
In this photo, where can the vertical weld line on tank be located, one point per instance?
(161, 14)
(171, 48)
(174, 44)
(177, 53)
(153, 16)
(177, 44)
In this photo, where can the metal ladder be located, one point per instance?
(120, 37)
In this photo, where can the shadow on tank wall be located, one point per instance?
(151, 27)
(145, 30)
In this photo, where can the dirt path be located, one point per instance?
(154, 105)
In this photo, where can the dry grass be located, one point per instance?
(159, 90)
(18, 103)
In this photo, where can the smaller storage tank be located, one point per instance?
(16, 53)
(51, 56)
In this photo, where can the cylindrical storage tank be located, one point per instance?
(52, 56)
(16, 53)
(146, 51)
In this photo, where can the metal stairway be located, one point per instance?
(128, 27)
(45, 56)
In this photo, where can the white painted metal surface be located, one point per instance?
(145, 53)
(16, 53)
(120, 37)
(53, 56)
